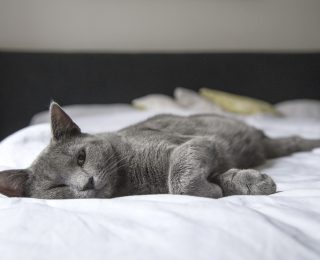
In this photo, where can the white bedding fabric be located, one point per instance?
(285, 225)
(300, 108)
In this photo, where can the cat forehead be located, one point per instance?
(65, 147)
(60, 154)
(70, 144)
(56, 152)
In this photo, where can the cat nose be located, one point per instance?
(89, 185)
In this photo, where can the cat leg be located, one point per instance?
(192, 163)
(279, 147)
(245, 182)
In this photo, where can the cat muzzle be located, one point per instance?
(89, 185)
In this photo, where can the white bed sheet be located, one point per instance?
(285, 225)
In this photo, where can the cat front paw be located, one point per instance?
(246, 182)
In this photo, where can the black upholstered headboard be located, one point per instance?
(28, 81)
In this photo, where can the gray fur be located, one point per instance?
(200, 155)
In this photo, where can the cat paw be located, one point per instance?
(247, 182)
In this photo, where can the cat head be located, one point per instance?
(73, 165)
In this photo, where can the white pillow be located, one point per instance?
(155, 102)
(77, 112)
(192, 100)
(300, 108)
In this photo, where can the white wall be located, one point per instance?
(160, 25)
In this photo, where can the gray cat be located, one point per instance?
(200, 155)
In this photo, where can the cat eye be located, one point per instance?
(81, 158)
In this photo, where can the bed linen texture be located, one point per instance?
(285, 225)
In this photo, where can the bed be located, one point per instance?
(285, 225)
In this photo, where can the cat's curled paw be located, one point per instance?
(246, 182)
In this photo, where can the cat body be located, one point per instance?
(200, 155)
(149, 148)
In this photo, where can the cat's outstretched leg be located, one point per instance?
(245, 182)
(192, 163)
(279, 147)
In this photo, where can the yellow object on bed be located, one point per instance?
(238, 104)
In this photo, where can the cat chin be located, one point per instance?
(86, 194)
(104, 189)
(103, 193)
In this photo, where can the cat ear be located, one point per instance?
(13, 182)
(62, 125)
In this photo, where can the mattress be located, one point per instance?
(285, 225)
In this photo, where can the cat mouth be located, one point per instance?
(87, 194)
(100, 185)
(103, 191)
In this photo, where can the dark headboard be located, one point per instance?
(28, 81)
